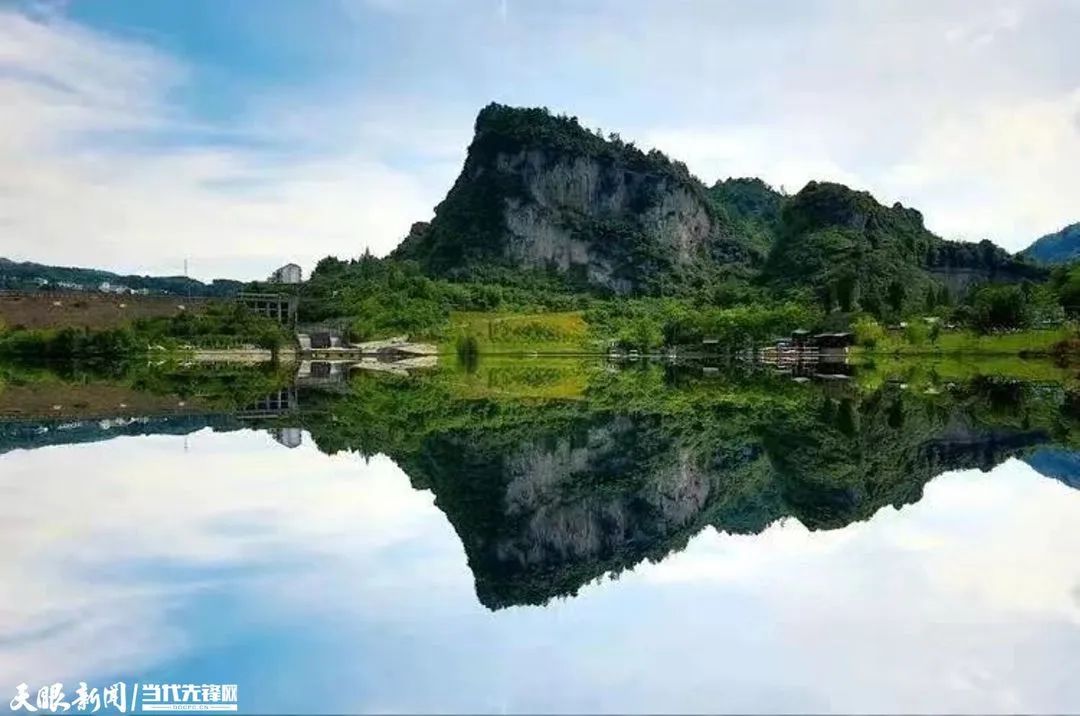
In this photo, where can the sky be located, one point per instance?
(242, 135)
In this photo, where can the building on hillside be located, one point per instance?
(289, 273)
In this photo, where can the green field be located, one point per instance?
(930, 372)
(952, 342)
(515, 333)
(523, 378)
(521, 333)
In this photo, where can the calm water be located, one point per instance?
(550, 538)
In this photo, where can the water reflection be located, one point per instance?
(778, 545)
(548, 494)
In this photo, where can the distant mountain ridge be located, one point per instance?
(541, 192)
(27, 276)
(1060, 464)
(1061, 247)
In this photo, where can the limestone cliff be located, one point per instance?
(541, 192)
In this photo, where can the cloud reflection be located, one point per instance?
(300, 574)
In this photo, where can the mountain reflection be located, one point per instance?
(552, 491)
(554, 473)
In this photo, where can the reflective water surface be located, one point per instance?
(546, 536)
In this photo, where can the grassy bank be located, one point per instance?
(1029, 342)
(516, 333)
(572, 332)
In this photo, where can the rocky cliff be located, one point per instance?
(542, 192)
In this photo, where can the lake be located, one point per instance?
(547, 536)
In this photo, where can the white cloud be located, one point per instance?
(1003, 171)
(786, 159)
(92, 172)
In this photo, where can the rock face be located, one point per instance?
(541, 192)
(559, 220)
(959, 266)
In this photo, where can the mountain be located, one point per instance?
(857, 253)
(1060, 464)
(27, 276)
(542, 192)
(753, 206)
(1059, 248)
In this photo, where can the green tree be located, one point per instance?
(944, 297)
(897, 294)
(997, 306)
(868, 332)
(935, 332)
(931, 300)
(916, 332)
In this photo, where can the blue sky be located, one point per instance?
(244, 134)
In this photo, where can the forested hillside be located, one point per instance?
(1061, 247)
(25, 276)
(856, 254)
(541, 193)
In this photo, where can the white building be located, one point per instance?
(289, 273)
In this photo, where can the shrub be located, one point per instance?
(998, 306)
(916, 332)
(468, 351)
(868, 332)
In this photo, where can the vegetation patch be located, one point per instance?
(498, 332)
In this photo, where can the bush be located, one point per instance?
(997, 306)
(642, 333)
(468, 351)
(917, 332)
(69, 342)
(868, 332)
